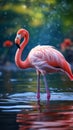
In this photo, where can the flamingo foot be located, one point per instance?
(38, 96)
(48, 96)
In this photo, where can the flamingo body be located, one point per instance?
(45, 59)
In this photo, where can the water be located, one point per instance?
(20, 110)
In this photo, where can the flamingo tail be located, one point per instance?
(70, 76)
(68, 70)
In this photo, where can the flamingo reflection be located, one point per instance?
(57, 117)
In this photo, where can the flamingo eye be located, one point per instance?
(18, 36)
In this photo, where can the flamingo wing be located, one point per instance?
(46, 59)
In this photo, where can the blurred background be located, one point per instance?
(49, 22)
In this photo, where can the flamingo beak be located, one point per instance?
(18, 46)
(17, 41)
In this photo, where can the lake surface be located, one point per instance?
(19, 108)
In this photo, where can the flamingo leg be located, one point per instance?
(38, 85)
(46, 86)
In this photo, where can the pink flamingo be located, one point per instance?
(67, 44)
(7, 43)
(45, 59)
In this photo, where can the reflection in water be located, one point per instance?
(47, 117)
(19, 109)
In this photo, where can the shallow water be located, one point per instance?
(20, 110)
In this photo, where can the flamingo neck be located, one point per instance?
(22, 64)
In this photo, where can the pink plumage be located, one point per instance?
(45, 59)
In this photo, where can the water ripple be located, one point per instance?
(31, 96)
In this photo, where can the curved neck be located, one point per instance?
(22, 64)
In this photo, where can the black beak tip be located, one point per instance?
(18, 46)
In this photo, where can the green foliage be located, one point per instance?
(47, 21)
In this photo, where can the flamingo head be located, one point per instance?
(22, 33)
